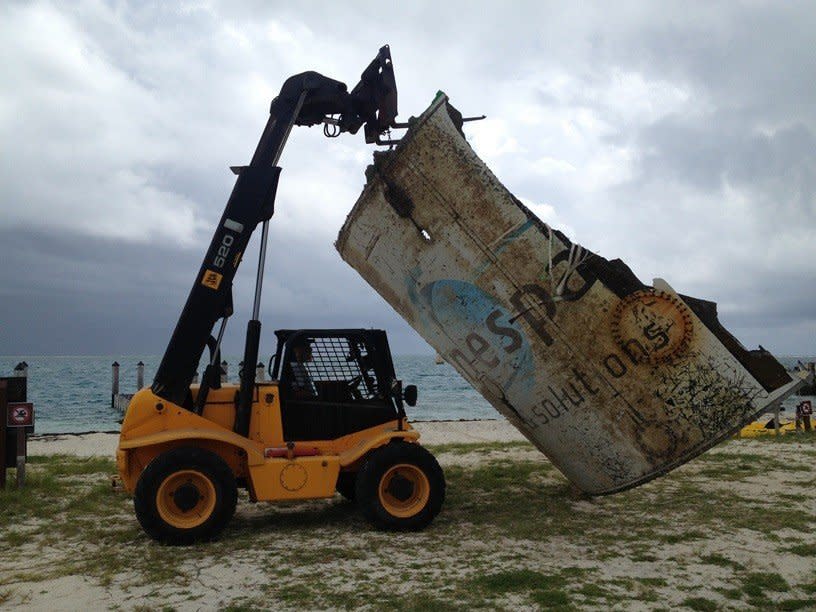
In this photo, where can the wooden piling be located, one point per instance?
(224, 372)
(139, 375)
(114, 382)
(260, 373)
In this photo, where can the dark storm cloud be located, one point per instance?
(67, 294)
(678, 138)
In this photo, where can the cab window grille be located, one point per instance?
(342, 359)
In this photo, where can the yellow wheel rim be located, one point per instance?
(404, 490)
(185, 499)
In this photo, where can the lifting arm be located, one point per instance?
(307, 99)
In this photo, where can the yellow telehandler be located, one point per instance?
(331, 419)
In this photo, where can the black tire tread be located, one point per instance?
(375, 466)
(186, 457)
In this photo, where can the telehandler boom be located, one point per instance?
(332, 417)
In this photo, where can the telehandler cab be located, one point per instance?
(332, 417)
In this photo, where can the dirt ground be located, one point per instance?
(730, 530)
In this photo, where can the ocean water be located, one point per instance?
(71, 394)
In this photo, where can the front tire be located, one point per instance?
(185, 495)
(400, 487)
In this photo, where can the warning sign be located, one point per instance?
(20, 414)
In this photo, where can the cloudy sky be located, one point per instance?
(680, 137)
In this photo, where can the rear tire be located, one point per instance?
(185, 495)
(400, 487)
(347, 485)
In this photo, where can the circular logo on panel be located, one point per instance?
(652, 326)
(293, 477)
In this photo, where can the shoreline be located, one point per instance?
(103, 443)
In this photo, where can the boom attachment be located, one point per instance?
(305, 99)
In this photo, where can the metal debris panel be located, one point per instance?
(615, 381)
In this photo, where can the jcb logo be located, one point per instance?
(211, 279)
(223, 251)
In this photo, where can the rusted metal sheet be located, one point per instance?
(615, 381)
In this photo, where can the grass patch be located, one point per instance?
(795, 604)
(790, 438)
(517, 580)
(66, 465)
(756, 584)
(794, 497)
(803, 550)
(688, 536)
(546, 591)
(294, 593)
(70, 500)
(551, 599)
(643, 556)
(732, 594)
(701, 604)
(458, 448)
(731, 471)
(593, 591)
(536, 501)
(721, 561)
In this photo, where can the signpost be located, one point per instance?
(16, 422)
(3, 409)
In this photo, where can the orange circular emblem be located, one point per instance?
(652, 326)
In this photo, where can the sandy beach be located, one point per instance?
(732, 529)
(433, 432)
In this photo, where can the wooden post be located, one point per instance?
(224, 372)
(21, 370)
(21, 456)
(260, 372)
(114, 383)
(4, 415)
(139, 375)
